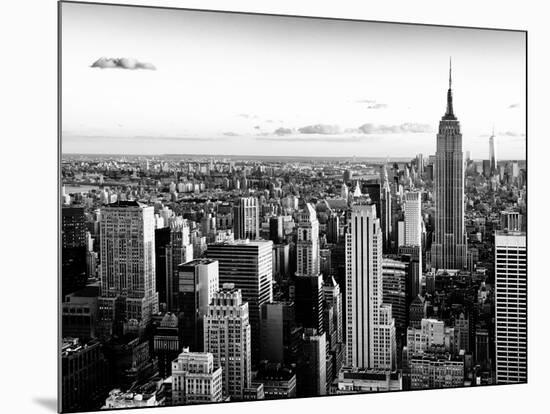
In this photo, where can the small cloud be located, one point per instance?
(121, 63)
(282, 131)
(257, 127)
(248, 116)
(405, 128)
(230, 134)
(514, 105)
(269, 121)
(511, 134)
(320, 129)
(372, 104)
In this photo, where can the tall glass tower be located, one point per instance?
(449, 247)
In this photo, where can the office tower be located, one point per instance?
(195, 380)
(482, 348)
(128, 293)
(246, 221)
(420, 164)
(492, 153)
(278, 381)
(511, 220)
(333, 228)
(449, 246)
(85, 374)
(413, 219)
(413, 256)
(162, 239)
(198, 283)
(394, 290)
(333, 327)
(436, 370)
(276, 229)
(511, 307)
(281, 262)
(312, 375)
(309, 281)
(370, 327)
(247, 264)
(386, 214)
(307, 245)
(280, 336)
(73, 249)
(227, 337)
(166, 343)
(179, 250)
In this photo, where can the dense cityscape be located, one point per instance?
(191, 279)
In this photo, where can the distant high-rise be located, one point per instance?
(449, 247)
(312, 369)
(195, 379)
(198, 281)
(276, 229)
(128, 292)
(279, 333)
(492, 153)
(227, 337)
(370, 328)
(511, 307)
(246, 221)
(247, 264)
(73, 253)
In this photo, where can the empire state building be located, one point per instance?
(449, 247)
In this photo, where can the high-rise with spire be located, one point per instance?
(449, 246)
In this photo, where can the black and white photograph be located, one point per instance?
(263, 207)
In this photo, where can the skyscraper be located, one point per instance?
(308, 282)
(449, 246)
(198, 281)
(178, 250)
(246, 221)
(128, 293)
(492, 153)
(370, 328)
(247, 264)
(413, 219)
(227, 337)
(511, 307)
(73, 253)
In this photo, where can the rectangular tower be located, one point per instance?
(227, 337)
(246, 221)
(369, 323)
(128, 292)
(511, 307)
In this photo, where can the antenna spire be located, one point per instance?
(450, 72)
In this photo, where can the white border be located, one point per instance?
(28, 166)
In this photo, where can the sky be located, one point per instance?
(237, 84)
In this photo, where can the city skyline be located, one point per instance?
(339, 88)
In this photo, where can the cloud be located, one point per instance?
(372, 104)
(257, 127)
(82, 137)
(121, 63)
(248, 116)
(231, 134)
(322, 129)
(514, 105)
(511, 134)
(405, 128)
(283, 131)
